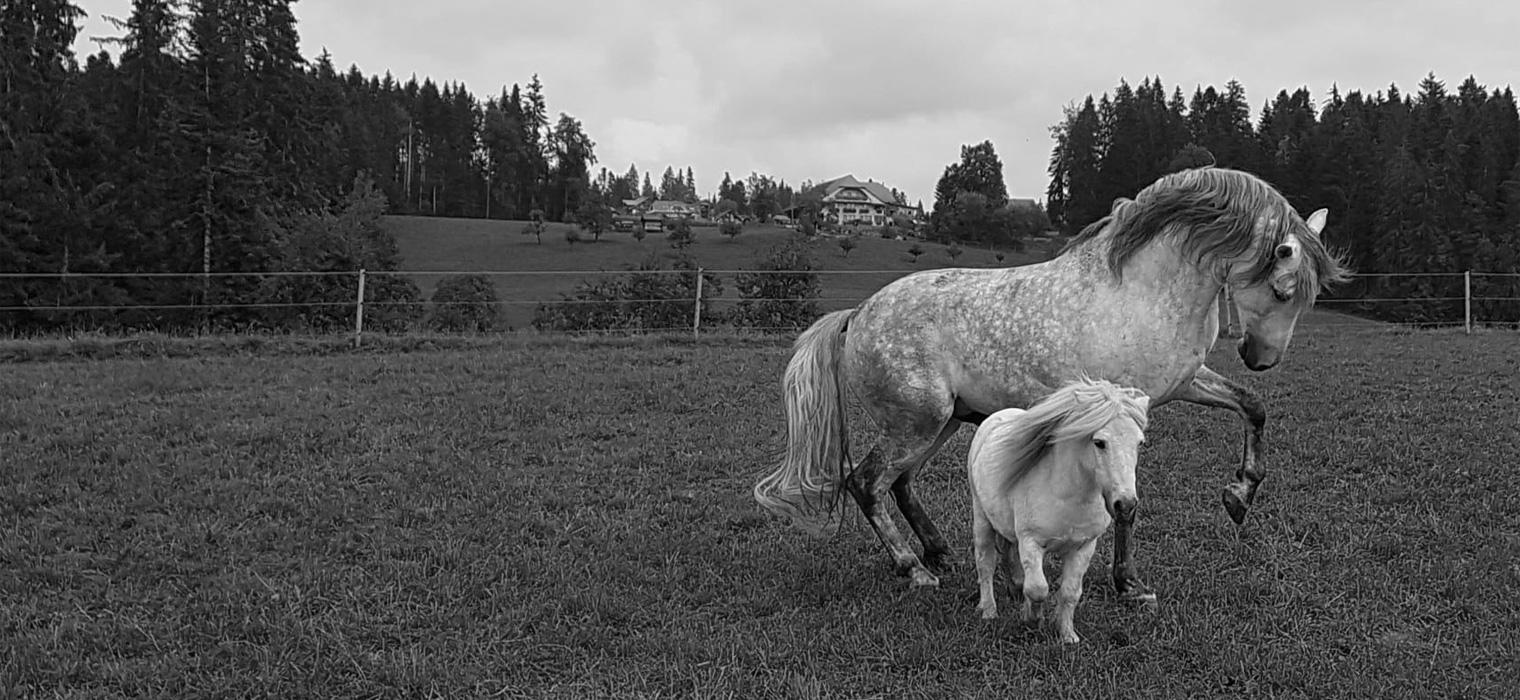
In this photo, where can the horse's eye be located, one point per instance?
(1281, 295)
(1100, 443)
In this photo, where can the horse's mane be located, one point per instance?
(1216, 213)
(1073, 412)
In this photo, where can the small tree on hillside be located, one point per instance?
(915, 250)
(999, 255)
(638, 231)
(953, 250)
(680, 233)
(847, 244)
(535, 225)
(731, 228)
(595, 217)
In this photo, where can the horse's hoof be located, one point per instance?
(1237, 501)
(1139, 595)
(923, 579)
(942, 563)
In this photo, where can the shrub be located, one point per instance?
(391, 303)
(342, 242)
(915, 250)
(730, 228)
(645, 299)
(847, 244)
(465, 303)
(779, 302)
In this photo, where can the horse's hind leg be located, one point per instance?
(936, 550)
(878, 471)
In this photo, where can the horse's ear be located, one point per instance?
(1316, 221)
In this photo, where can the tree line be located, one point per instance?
(1422, 183)
(209, 145)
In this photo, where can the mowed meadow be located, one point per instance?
(572, 519)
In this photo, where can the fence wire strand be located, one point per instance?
(1490, 282)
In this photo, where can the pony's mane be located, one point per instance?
(1220, 216)
(1073, 412)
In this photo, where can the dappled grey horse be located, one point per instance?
(1132, 300)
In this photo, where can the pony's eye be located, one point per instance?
(1100, 443)
(1280, 295)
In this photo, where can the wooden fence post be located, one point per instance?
(696, 314)
(1467, 301)
(359, 312)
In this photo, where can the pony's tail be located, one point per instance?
(805, 487)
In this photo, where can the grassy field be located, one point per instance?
(431, 244)
(567, 519)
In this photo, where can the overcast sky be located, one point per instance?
(885, 89)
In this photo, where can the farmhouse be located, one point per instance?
(848, 200)
(672, 209)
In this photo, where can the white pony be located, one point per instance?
(1051, 479)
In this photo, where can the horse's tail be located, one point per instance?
(805, 487)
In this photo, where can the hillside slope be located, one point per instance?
(432, 247)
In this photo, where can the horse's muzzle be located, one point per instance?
(1257, 357)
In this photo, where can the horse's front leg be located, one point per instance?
(1127, 582)
(1209, 388)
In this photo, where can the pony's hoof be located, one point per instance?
(1237, 500)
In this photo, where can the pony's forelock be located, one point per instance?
(1075, 411)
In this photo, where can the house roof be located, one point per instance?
(672, 204)
(875, 189)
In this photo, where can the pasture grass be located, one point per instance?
(568, 519)
(433, 246)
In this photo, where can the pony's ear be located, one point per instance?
(1316, 221)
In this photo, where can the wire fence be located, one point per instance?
(602, 301)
